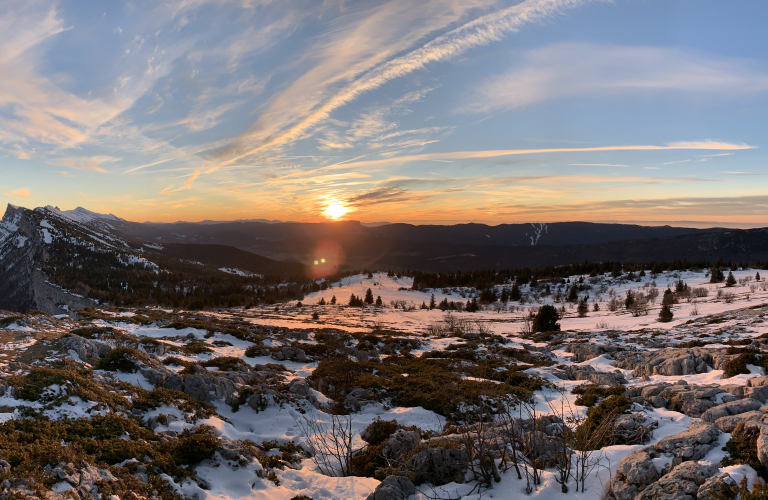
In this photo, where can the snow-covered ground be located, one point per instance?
(717, 316)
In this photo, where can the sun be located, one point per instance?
(335, 209)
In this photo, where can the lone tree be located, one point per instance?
(432, 303)
(630, 299)
(582, 308)
(368, 296)
(716, 275)
(378, 300)
(665, 315)
(333, 300)
(757, 276)
(546, 320)
(730, 281)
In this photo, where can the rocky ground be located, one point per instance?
(393, 401)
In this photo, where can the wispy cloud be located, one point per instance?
(19, 193)
(284, 123)
(463, 155)
(596, 165)
(587, 69)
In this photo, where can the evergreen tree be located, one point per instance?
(515, 294)
(546, 320)
(322, 301)
(669, 298)
(333, 300)
(730, 281)
(665, 315)
(424, 305)
(616, 271)
(505, 295)
(378, 300)
(757, 276)
(573, 294)
(472, 305)
(582, 308)
(368, 296)
(630, 299)
(432, 303)
(716, 275)
(597, 307)
(534, 283)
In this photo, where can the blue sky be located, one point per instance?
(651, 111)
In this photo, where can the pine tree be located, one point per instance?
(716, 275)
(573, 294)
(505, 295)
(665, 315)
(424, 305)
(730, 281)
(322, 301)
(669, 298)
(378, 300)
(368, 296)
(515, 294)
(597, 307)
(630, 299)
(546, 320)
(333, 300)
(432, 303)
(582, 308)
(757, 276)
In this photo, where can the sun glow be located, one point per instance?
(335, 209)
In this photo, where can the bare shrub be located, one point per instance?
(694, 310)
(699, 292)
(602, 325)
(615, 304)
(652, 294)
(728, 298)
(639, 306)
(330, 444)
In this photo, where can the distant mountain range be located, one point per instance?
(46, 252)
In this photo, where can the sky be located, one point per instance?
(438, 111)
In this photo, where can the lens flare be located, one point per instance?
(335, 209)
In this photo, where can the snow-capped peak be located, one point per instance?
(83, 215)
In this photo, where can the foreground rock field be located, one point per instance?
(322, 400)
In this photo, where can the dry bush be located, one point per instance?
(331, 445)
(699, 292)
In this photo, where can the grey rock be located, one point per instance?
(692, 444)
(290, 353)
(758, 381)
(233, 450)
(759, 393)
(669, 362)
(588, 373)
(729, 423)
(682, 483)
(584, 351)
(732, 408)
(714, 486)
(401, 443)
(634, 473)
(393, 488)
(90, 351)
(438, 465)
(208, 388)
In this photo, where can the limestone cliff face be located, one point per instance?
(23, 253)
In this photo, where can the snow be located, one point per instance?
(237, 272)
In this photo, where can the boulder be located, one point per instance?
(290, 353)
(634, 473)
(233, 450)
(208, 388)
(90, 351)
(714, 488)
(669, 362)
(682, 483)
(731, 408)
(758, 381)
(692, 444)
(401, 443)
(729, 423)
(162, 377)
(588, 373)
(393, 488)
(584, 351)
(438, 466)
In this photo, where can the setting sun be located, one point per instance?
(335, 210)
